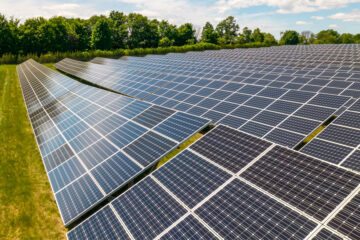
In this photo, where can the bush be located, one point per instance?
(117, 53)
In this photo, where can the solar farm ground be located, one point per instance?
(27, 205)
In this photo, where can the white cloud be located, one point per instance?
(333, 26)
(34, 8)
(285, 6)
(177, 11)
(317, 17)
(303, 23)
(353, 16)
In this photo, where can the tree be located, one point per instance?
(185, 33)
(247, 35)
(347, 38)
(8, 35)
(269, 39)
(290, 38)
(307, 37)
(167, 30)
(228, 29)
(53, 35)
(29, 35)
(209, 35)
(327, 36)
(101, 37)
(165, 42)
(119, 29)
(257, 35)
(142, 32)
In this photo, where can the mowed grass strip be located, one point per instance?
(27, 206)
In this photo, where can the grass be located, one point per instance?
(27, 205)
(179, 149)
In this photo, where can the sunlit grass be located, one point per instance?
(27, 205)
(179, 149)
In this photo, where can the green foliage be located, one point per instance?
(40, 37)
(269, 39)
(247, 35)
(228, 29)
(185, 32)
(101, 37)
(165, 42)
(290, 37)
(142, 31)
(209, 35)
(119, 29)
(8, 35)
(167, 30)
(257, 35)
(327, 36)
(347, 38)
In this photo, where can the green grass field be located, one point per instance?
(27, 205)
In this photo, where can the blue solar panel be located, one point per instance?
(190, 177)
(147, 215)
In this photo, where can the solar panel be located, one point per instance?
(339, 141)
(189, 228)
(347, 221)
(239, 211)
(313, 186)
(89, 149)
(230, 148)
(325, 234)
(217, 97)
(280, 193)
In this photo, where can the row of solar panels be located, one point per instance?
(227, 185)
(230, 185)
(279, 115)
(92, 141)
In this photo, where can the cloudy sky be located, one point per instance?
(270, 15)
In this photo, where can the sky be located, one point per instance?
(271, 16)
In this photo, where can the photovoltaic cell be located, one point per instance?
(149, 147)
(349, 119)
(310, 185)
(329, 100)
(77, 197)
(314, 112)
(284, 137)
(153, 116)
(353, 161)
(239, 211)
(327, 151)
(300, 125)
(256, 129)
(190, 177)
(181, 125)
(325, 234)
(147, 209)
(342, 135)
(102, 225)
(189, 228)
(347, 221)
(115, 171)
(230, 148)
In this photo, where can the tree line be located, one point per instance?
(115, 31)
(329, 36)
(120, 31)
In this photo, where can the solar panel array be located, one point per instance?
(339, 143)
(238, 181)
(92, 141)
(280, 94)
(231, 185)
